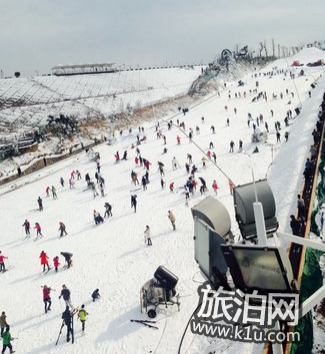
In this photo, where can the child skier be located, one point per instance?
(82, 315)
(56, 263)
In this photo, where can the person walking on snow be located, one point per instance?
(147, 236)
(175, 163)
(108, 210)
(215, 187)
(47, 298)
(2, 262)
(62, 229)
(40, 204)
(6, 341)
(3, 322)
(26, 224)
(82, 315)
(54, 193)
(134, 202)
(44, 261)
(62, 181)
(47, 191)
(172, 219)
(66, 294)
(67, 319)
(56, 263)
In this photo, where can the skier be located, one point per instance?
(47, 298)
(78, 175)
(102, 189)
(66, 294)
(286, 135)
(161, 168)
(3, 322)
(56, 263)
(204, 160)
(178, 138)
(54, 193)
(93, 188)
(213, 129)
(171, 187)
(162, 183)
(147, 236)
(47, 191)
(2, 263)
(44, 261)
(175, 163)
(231, 186)
(95, 295)
(68, 258)
(67, 319)
(87, 178)
(71, 183)
(215, 187)
(40, 203)
(134, 202)
(232, 144)
(214, 157)
(144, 183)
(240, 146)
(82, 315)
(189, 157)
(125, 155)
(62, 181)
(108, 210)
(38, 229)
(62, 229)
(278, 137)
(26, 224)
(211, 146)
(172, 219)
(6, 339)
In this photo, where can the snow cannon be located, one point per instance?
(244, 197)
(212, 228)
(159, 290)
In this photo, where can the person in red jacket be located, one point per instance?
(2, 263)
(47, 190)
(56, 263)
(44, 261)
(47, 298)
(38, 229)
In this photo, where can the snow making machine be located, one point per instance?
(160, 290)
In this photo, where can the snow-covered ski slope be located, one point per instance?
(112, 256)
(25, 103)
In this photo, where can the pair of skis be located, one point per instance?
(146, 323)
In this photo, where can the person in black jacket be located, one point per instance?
(295, 225)
(134, 202)
(65, 292)
(95, 295)
(67, 318)
(68, 258)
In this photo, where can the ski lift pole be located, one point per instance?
(258, 214)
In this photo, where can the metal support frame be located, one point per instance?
(314, 299)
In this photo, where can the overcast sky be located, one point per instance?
(36, 35)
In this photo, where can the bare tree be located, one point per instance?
(265, 48)
(273, 48)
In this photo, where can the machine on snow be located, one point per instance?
(159, 290)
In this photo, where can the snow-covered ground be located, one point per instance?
(26, 103)
(112, 256)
